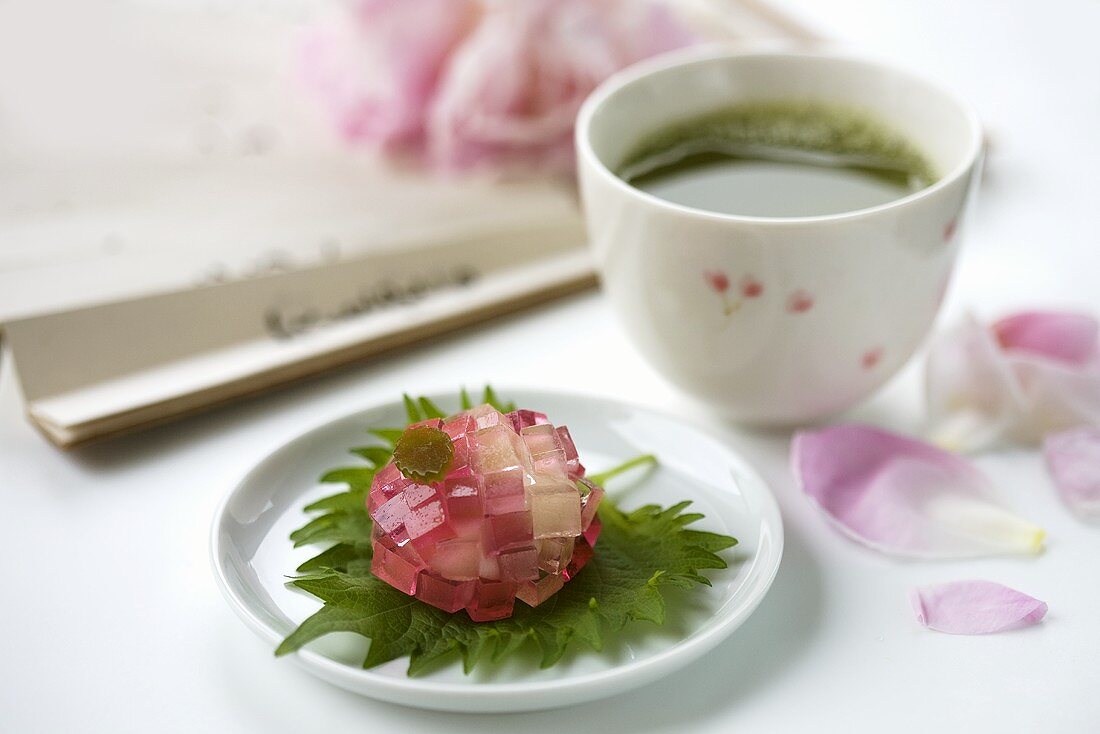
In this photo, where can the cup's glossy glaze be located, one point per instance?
(775, 320)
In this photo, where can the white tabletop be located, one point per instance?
(112, 623)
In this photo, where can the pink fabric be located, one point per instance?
(975, 607)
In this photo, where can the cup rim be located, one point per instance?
(712, 52)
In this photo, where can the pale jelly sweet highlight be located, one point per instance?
(512, 516)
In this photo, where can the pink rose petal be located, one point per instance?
(512, 91)
(905, 497)
(1073, 458)
(1067, 337)
(975, 607)
(1027, 376)
(378, 70)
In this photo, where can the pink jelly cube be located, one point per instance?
(582, 554)
(462, 472)
(460, 425)
(534, 593)
(399, 543)
(399, 538)
(590, 503)
(391, 514)
(461, 459)
(592, 532)
(489, 568)
(492, 600)
(523, 418)
(391, 488)
(458, 559)
(555, 508)
(519, 564)
(572, 460)
(486, 416)
(551, 463)
(386, 476)
(427, 525)
(504, 492)
(445, 594)
(566, 442)
(463, 500)
(540, 438)
(394, 570)
(555, 554)
(418, 494)
(501, 532)
(494, 449)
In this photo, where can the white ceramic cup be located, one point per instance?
(774, 320)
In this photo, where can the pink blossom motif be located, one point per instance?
(511, 93)
(1073, 459)
(1030, 374)
(949, 230)
(904, 497)
(379, 70)
(718, 281)
(751, 287)
(975, 608)
(800, 302)
(871, 358)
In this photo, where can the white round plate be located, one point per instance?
(252, 558)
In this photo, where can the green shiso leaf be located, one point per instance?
(378, 456)
(489, 396)
(430, 409)
(601, 479)
(639, 553)
(389, 435)
(412, 410)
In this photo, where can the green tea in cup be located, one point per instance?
(778, 159)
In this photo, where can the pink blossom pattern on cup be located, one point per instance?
(871, 358)
(751, 287)
(719, 282)
(949, 230)
(512, 518)
(800, 302)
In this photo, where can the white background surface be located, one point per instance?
(111, 621)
